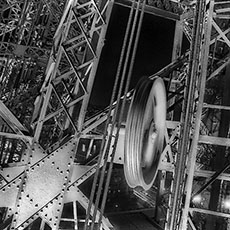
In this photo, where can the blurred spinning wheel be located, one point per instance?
(145, 128)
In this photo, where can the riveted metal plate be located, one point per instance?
(51, 211)
(8, 194)
(10, 173)
(44, 181)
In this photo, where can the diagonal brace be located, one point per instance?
(84, 33)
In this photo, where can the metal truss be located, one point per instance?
(25, 50)
(60, 115)
(59, 126)
(42, 175)
(209, 22)
(61, 107)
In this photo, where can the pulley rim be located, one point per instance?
(144, 136)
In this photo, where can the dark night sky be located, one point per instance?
(153, 53)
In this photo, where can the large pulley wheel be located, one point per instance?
(144, 137)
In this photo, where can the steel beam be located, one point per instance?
(193, 150)
(43, 196)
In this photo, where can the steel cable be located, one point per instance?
(124, 101)
(93, 190)
(102, 176)
(187, 113)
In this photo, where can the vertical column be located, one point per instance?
(201, 90)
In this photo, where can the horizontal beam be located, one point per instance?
(209, 212)
(214, 140)
(151, 10)
(16, 136)
(207, 174)
(205, 105)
